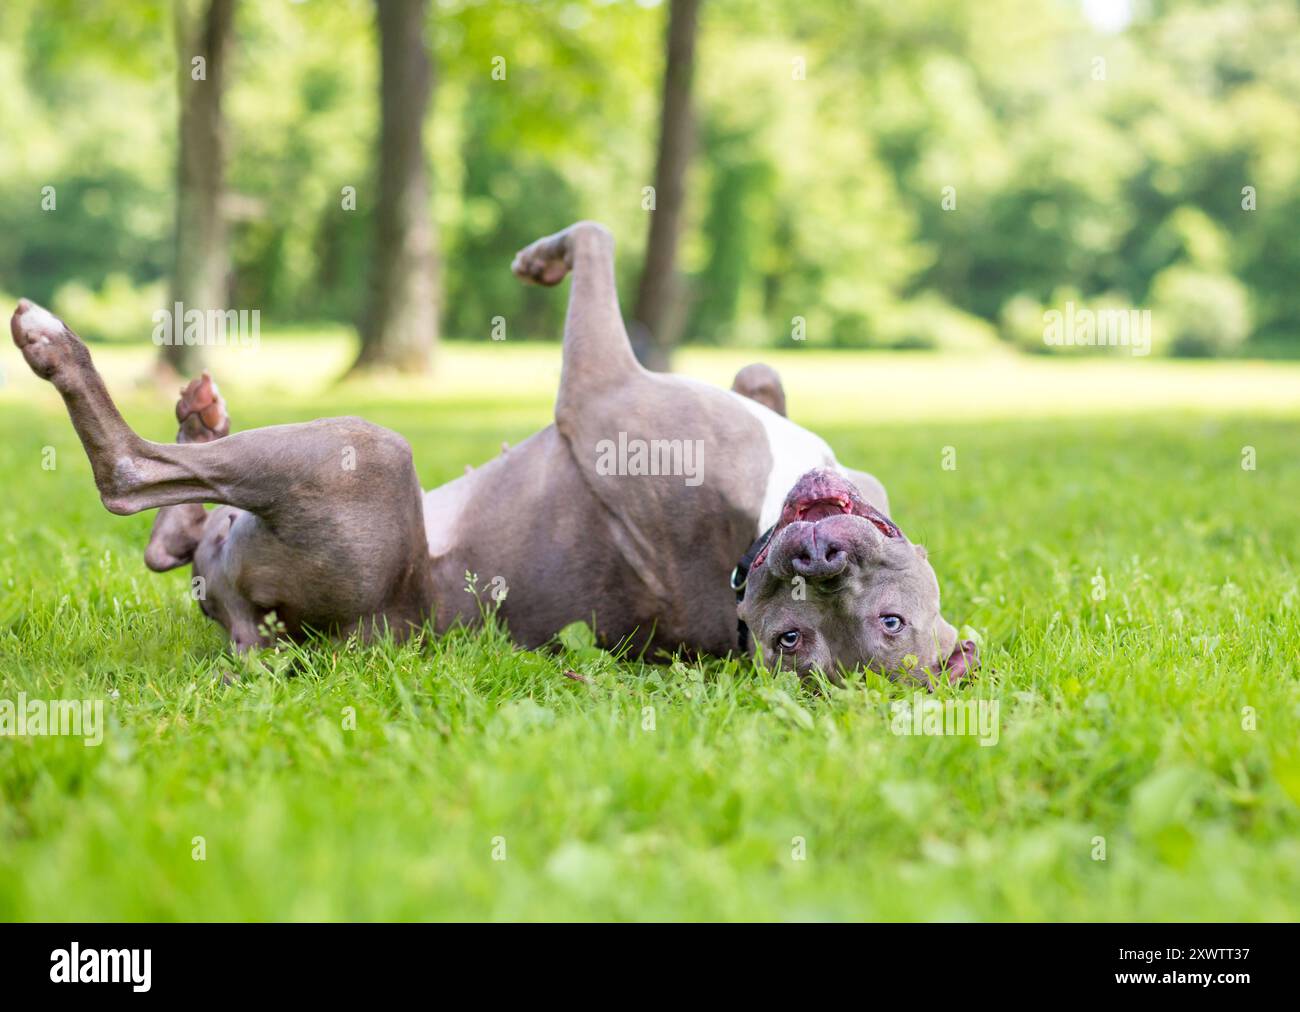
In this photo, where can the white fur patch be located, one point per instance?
(39, 320)
(795, 451)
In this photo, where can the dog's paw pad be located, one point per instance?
(201, 411)
(542, 263)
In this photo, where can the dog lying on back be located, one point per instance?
(629, 512)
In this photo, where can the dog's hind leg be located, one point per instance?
(336, 531)
(177, 530)
(251, 470)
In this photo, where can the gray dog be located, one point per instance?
(629, 512)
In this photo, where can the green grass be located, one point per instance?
(1121, 717)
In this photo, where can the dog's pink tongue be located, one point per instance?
(822, 510)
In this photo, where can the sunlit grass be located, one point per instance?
(1136, 591)
(825, 387)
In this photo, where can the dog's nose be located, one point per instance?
(819, 558)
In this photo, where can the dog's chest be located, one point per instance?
(794, 451)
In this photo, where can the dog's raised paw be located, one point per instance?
(201, 410)
(543, 262)
(46, 343)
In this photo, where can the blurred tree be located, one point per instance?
(735, 239)
(400, 326)
(200, 276)
(657, 315)
(304, 110)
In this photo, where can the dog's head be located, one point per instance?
(838, 585)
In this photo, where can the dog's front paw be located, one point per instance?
(544, 262)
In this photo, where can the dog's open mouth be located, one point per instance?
(820, 509)
(820, 494)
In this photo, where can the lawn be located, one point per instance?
(1135, 589)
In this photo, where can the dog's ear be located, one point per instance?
(176, 533)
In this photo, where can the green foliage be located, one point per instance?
(503, 193)
(1200, 313)
(929, 322)
(119, 311)
(859, 163)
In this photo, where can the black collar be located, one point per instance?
(740, 576)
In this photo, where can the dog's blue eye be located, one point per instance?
(790, 640)
(892, 623)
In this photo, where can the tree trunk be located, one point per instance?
(202, 265)
(657, 316)
(401, 322)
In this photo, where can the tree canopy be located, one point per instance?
(890, 175)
